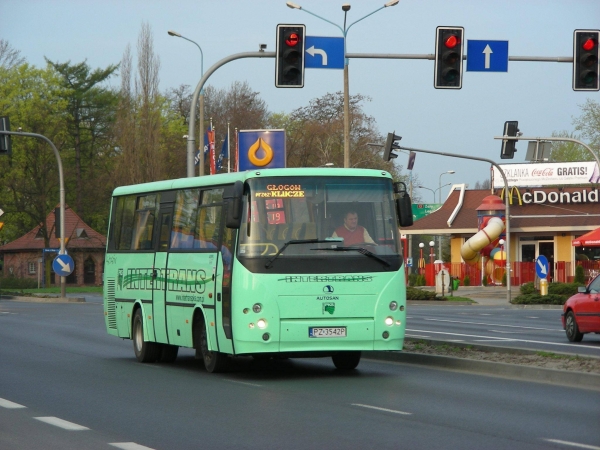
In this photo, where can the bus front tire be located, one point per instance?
(346, 360)
(214, 362)
(145, 351)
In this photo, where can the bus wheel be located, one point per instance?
(168, 353)
(346, 360)
(214, 362)
(144, 351)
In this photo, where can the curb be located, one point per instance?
(14, 298)
(590, 381)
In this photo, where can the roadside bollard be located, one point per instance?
(543, 286)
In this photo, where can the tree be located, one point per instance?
(91, 110)
(9, 57)
(588, 124)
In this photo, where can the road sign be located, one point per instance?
(423, 209)
(541, 266)
(487, 56)
(63, 265)
(324, 52)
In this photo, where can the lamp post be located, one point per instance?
(432, 191)
(345, 8)
(190, 153)
(440, 183)
(421, 260)
(431, 254)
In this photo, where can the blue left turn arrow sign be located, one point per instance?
(324, 52)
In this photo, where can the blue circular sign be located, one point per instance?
(63, 265)
(541, 266)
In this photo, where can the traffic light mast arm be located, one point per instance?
(506, 200)
(191, 137)
(558, 139)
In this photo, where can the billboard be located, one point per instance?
(261, 149)
(547, 174)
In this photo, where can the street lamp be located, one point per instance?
(440, 183)
(421, 260)
(433, 190)
(190, 153)
(345, 8)
(431, 245)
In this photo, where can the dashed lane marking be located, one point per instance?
(64, 424)
(244, 382)
(129, 446)
(494, 325)
(382, 409)
(573, 444)
(10, 405)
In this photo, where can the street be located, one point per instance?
(64, 383)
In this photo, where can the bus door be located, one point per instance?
(160, 272)
(223, 289)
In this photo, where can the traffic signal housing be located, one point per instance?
(289, 57)
(5, 141)
(511, 128)
(390, 144)
(586, 65)
(449, 51)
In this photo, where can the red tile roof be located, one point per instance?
(88, 238)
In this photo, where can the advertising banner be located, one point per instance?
(261, 149)
(545, 174)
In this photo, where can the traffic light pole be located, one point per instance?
(61, 181)
(506, 202)
(191, 138)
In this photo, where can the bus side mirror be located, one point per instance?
(233, 197)
(403, 205)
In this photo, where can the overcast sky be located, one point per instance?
(537, 94)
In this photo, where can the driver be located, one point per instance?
(352, 232)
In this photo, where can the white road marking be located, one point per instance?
(382, 409)
(416, 336)
(10, 405)
(573, 444)
(129, 446)
(503, 332)
(494, 325)
(64, 424)
(244, 382)
(570, 344)
(532, 317)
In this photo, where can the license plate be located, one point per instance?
(326, 332)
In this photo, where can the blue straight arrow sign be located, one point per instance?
(487, 56)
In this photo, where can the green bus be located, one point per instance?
(255, 263)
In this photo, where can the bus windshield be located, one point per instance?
(334, 224)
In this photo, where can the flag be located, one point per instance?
(197, 157)
(211, 151)
(224, 154)
(236, 164)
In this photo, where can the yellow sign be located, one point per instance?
(510, 195)
(267, 150)
(282, 191)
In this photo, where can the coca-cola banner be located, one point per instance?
(544, 174)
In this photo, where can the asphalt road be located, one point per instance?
(537, 329)
(66, 384)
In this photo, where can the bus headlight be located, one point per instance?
(261, 323)
(389, 321)
(257, 307)
(393, 306)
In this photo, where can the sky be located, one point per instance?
(403, 100)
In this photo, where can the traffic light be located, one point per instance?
(289, 57)
(5, 141)
(448, 57)
(586, 64)
(390, 144)
(511, 128)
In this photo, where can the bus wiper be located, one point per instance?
(269, 263)
(360, 250)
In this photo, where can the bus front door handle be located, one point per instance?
(219, 297)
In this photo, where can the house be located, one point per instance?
(25, 256)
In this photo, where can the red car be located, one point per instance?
(581, 312)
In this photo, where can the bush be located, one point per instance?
(567, 289)
(537, 299)
(579, 275)
(420, 294)
(528, 288)
(412, 279)
(467, 280)
(17, 283)
(504, 279)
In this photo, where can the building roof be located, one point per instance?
(79, 234)
(532, 210)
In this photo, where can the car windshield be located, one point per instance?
(320, 214)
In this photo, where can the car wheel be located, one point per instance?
(214, 362)
(346, 360)
(144, 351)
(572, 329)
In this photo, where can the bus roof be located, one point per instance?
(228, 178)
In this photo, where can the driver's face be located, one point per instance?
(351, 221)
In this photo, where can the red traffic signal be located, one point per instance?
(449, 50)
(586, 64)
(289, 56)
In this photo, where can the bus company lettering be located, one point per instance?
(328, 279)
(583, 196)
(184, 280)
(328, 297)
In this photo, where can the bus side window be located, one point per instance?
(165, 228)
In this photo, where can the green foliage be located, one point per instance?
(484, 281)
(504, 279)
(537, 299)
(528, 288)
(579, 275)
(567, 289)
(420, 294)
(412, 279)
(467, 280)
(17, 283)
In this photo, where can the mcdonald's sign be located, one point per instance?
(511, 193)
